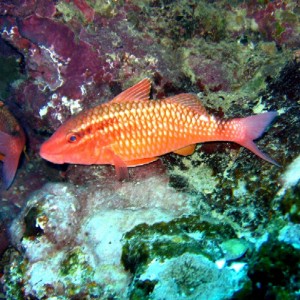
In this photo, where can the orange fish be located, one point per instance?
(132, 130)
(12, 143)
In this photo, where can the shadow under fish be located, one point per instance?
(12, 143)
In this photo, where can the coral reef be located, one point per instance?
(172, 279)
(80, 231)
(182, 226)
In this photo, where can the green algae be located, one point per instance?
(143, 289)
(172, 239)
(72, 261)
(182, 20)
(78, 275)
(290, 204)
(108, 8)
(14, 278)
(68, 11)
(74, 278)
(234, 248)
(186, 224)
(274, 270)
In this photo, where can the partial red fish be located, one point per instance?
(132, 130)
(12, 142)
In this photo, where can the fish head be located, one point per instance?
(69, 144)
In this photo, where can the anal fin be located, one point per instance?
(185, 151)
(139, 162)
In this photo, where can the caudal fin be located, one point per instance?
(254, 127)
(10, 159)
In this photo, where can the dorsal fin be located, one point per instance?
(140, 91)
(189, 100)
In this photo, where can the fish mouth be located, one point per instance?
(49, 155)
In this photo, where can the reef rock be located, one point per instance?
(74, 236)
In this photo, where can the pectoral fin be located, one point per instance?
(185, 151)
(121, 168)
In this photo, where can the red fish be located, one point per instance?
(132, 130)
(12, 143)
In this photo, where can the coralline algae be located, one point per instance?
(75, 238)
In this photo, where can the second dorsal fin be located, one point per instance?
(140, 91)
(189, 100)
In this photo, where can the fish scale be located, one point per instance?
(128, 129)
(131, 130)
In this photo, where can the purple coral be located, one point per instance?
(67, 64)
(275, 21)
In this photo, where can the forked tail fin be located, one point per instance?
(254, 127)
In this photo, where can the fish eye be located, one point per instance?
(72, 137)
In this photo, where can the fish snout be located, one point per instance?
(49, 152)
